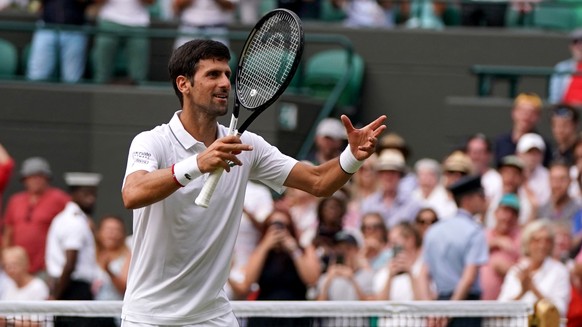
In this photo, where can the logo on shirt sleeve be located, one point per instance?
(141, 157)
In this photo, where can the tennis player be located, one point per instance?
(182, 252)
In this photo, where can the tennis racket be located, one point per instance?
(268, 61)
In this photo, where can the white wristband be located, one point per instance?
(186, 170)
(348, 162)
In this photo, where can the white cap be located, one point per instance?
(332, 127)
(35, 166)
(391, 159)
(530, 141)
(82, 179)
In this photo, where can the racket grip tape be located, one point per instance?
(203, 199)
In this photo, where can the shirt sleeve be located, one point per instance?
(143, 154)
(75, 236)
(270, 166)
(5, 173)
(478, 251)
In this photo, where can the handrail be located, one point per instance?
(513, 74)
(334, 39)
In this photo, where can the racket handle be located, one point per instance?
(205, 195)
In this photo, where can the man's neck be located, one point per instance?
(202, 127)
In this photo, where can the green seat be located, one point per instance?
(325, 69)
(329, 13)
(9, 61)
(559, 15)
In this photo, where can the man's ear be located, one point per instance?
(182, 82)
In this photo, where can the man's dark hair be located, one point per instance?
(184, 60)
(478, 136)
(566, 111)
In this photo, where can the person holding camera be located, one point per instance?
(348, 278)
(397, 280)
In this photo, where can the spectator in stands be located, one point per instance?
(6, 167)
(364, 183)
(364, 13)
(375, 247)
(512, 177)
(395, 142)
(303, 207)
(330, 140)
(478, 149)
(64, 48)
(347, 278)
(430, 192)
(397, 280)
(561, 207)
(22, 287)
(425, 218)
(281, 267)
(29, 213)
(575, 308)
(204, 18)
(26, 287)
(70, 251)
(456, 166)
(525, 114)
(113, 257)
(116, 17)
(330, 219)
(530, 149)
(305, 9)
(258, 204)
(565, 133)
(389, 201)
(576, 170)
(483, 13)
(565, 87)
(248, 11)
(537, 275)
(504, 241)
(454, 249)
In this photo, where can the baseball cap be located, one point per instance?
(510, 200)
(511, 161)
(35, 166)
(331, 127)
(390, 159)
(530, 141)
(82, 179)
(576, 34)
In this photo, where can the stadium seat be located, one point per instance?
(325, 69)
(561, 15)
(9, 62)
(331, 14)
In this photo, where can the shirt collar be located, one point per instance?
(185, 139)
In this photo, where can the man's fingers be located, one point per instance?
(347, 123)
(379, 122)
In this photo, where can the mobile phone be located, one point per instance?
(396, 249)
(339, 259)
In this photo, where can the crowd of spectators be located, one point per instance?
(468, 226)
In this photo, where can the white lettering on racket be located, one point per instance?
(253, 92)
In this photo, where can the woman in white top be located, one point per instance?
(537, 275)
(113, 258)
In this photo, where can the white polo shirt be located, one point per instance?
(70, 231)
(182, 252)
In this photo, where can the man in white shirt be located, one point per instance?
(202, 18)
(70, 250)
(182, 252)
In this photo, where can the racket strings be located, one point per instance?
(268, 61)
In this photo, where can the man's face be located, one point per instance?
(85, 197)
(389, 180)
(532, 158)
(525, 117)
(35, 183)
(559, 180)
(477, 152)
(328, 146)
(506, 219)
(563, 129)
(209, 90)
(511, 178)
(576, 49)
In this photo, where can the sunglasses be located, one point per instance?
(564, 113)
(426, 221)
(576, 41)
